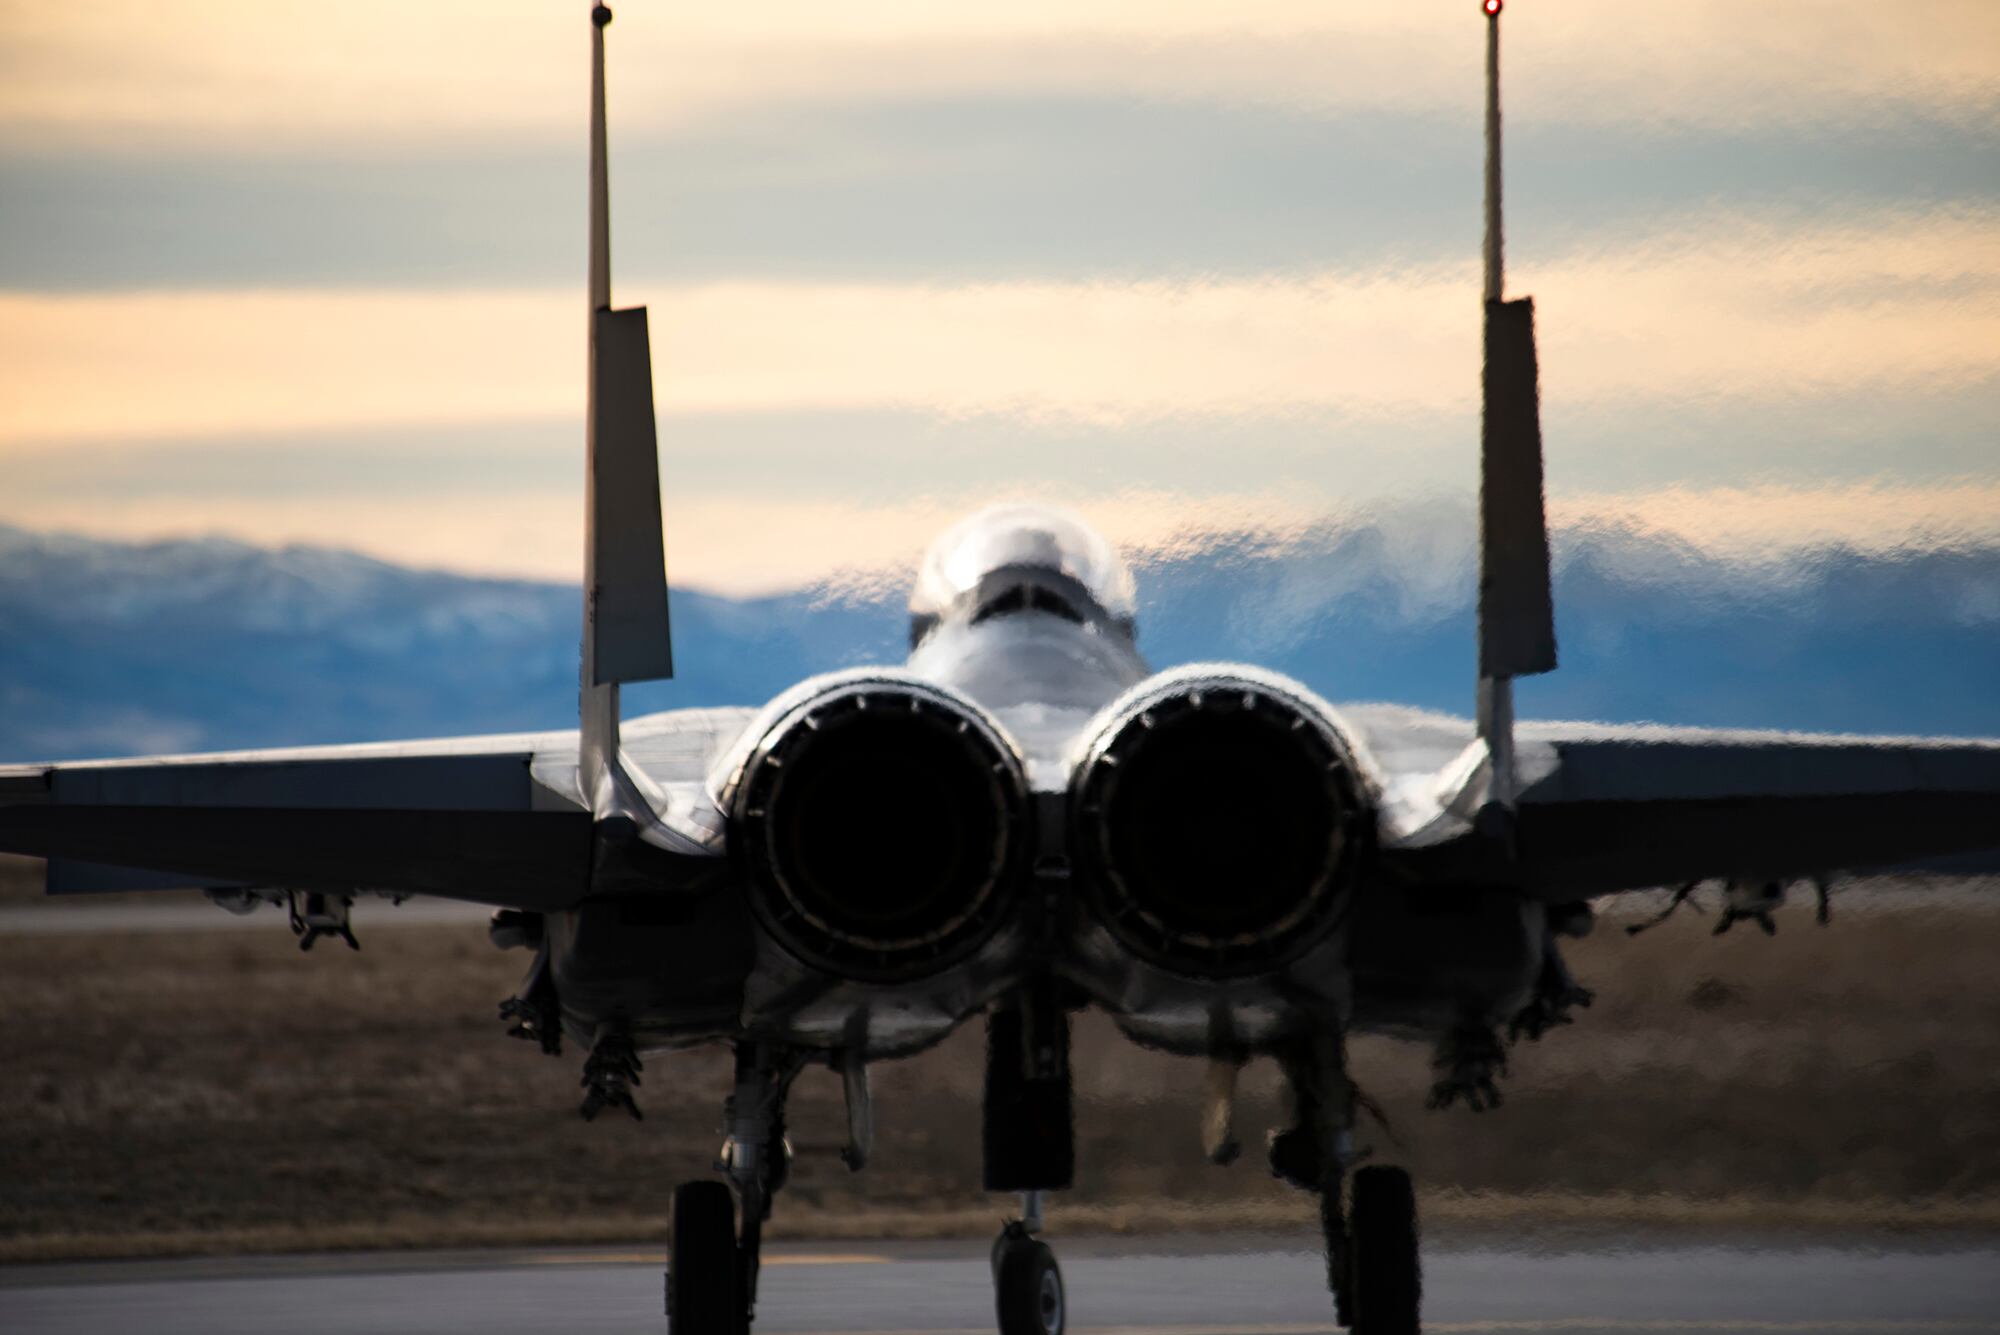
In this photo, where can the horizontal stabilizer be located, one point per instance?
(527, 859)
(1621, 814)
(464, 818)
(67, 876)
(627, 599)
(1517, 632)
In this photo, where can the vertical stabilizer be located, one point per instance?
(625, 631)
(1517, 635)
(1517, 628)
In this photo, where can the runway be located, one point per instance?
(1201, 1286)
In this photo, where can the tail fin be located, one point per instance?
(625, 631)
(1517, 635)
(1517, 629)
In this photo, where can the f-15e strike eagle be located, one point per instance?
(1021, 821)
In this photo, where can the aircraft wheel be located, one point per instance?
(702, 1293)
(1385, 1281)
(1339, 1256)
(1028, 1287)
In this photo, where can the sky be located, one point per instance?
(297, 272)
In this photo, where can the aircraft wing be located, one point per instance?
(1606, 808)
(1617, 809)
(460, 817)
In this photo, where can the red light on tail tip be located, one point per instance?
(1492, 8)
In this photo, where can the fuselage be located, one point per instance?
(1027, 620)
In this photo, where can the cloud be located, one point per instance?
(289, 71)
(1734, 309)
(161, 364)
(748, 542)
(953, 188)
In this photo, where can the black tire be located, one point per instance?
(1384, 1275)
(1028, 1288)
(702, 1295)
(1339, 1256)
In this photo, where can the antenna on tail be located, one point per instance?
(625, 631)
(1517, 636)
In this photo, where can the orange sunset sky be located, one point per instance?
(296, 272)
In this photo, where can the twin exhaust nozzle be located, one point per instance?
(886, 826)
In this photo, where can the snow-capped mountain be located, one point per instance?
(115, 648)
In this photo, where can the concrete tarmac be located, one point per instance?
(1189, 1286)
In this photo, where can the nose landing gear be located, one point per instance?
(1030, 1147)
(1027, 1283)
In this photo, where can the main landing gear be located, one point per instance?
(702, 1284)
(1372, 1265)
(1384, 1276)
(712, 1264)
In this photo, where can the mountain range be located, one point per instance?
(112, 648)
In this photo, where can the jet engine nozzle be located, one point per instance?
(1219, 820)
(881, 822)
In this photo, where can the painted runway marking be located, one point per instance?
(1667, 1325)
(1659, 1326)
(660, 1258)
(830, 1258)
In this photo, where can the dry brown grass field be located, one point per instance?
(220, 1091)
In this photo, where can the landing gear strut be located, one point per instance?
(1371, 1248)
(712, 1266)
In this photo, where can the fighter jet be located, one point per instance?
(1023, 820)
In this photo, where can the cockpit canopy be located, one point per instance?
(1020, 536)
